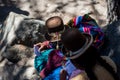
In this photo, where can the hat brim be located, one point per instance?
(76, 54)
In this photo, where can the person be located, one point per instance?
(55, 27)
(51, 51)
(49, 57)
(86, 58)
(85, 24)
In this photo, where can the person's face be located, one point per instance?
(55, 36)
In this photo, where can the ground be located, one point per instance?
(43, 9)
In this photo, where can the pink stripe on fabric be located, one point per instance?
(87, 30)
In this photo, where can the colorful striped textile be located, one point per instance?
(54, 75)
(41, 60)
(88, 25)
(54, 60)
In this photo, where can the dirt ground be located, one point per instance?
(43, 9)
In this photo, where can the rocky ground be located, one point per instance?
(43, 9)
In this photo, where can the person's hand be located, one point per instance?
(63, 74)
(42, 45)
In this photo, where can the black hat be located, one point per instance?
(55, 27)
(76, 42)
(54, 24)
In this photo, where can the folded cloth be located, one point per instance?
(88, 25)
(54, 75)
(54, 60)
(41, 61)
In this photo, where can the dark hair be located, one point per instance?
(56, 27)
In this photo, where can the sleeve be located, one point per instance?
(36, 51)
(40, 61)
